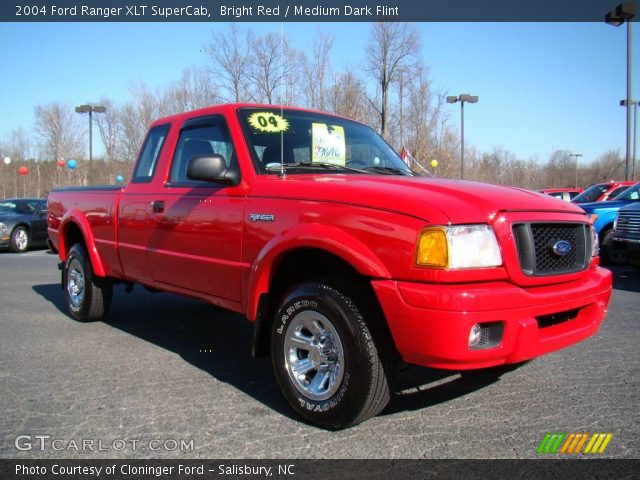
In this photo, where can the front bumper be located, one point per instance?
(628, 247)
(430, 323)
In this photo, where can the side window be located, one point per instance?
(206, 137)
(617, 192)
(148, 159)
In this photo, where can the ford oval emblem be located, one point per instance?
(561, 248)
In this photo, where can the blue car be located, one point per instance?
(603, 214)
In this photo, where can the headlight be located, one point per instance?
(458, 246)
(3, 229)
(615, 222)
(595, 244)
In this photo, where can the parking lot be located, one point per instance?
(170, 372)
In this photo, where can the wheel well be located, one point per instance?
(25, 225)
(307, 264)
(72, 235)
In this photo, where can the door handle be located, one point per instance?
(157, 206)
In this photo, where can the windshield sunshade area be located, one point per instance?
(308, 142)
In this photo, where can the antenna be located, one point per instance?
(282, 174)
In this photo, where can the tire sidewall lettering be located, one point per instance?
(326, 405)
(292, 309)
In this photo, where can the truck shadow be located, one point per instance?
(625, 277)
(219, 343)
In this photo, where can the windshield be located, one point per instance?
(591, 194)
(631, 194)
(21, 207)
(307, 142)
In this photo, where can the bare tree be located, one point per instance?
(192, 91)
(394, 48)
(347, 97)
(271, 67)
(316, 71)
(230, 56)
(109, 126)
(136, 117)
(58, 131)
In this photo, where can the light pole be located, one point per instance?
(577, 155)
(623, 103)
(618, 16)
(90, 109)
(462, 98)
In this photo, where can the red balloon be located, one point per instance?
(23, 170)
(61, 163)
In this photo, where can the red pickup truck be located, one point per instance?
(346, 262)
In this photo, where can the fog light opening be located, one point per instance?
(475, 336)
(485, 335)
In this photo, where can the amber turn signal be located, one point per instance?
(432, 248)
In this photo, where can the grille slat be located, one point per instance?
(628, 222)
(535, 243)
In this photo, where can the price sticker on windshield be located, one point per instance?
(268, 122)
(328, 144)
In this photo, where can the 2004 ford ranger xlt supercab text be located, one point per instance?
(346, 262)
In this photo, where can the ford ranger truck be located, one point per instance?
(347, 263)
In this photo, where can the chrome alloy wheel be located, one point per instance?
(21, 239)
(313, 355)
(75, 283)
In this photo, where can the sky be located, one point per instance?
(541, 86)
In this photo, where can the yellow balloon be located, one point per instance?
(434, 163)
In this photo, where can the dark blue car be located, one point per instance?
(603, 214)
(23, 223)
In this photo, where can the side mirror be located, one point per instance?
(211, 168)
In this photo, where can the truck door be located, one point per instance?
(196, 238)
(134, 214)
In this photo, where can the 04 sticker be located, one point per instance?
(268, 122)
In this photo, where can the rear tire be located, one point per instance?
(325, 359)
(88, 297)
(20, 240)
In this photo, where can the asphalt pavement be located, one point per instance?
(169, 377)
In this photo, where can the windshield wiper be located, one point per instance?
(389, 170)
(275, 167)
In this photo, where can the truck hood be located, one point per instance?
(434, 200)
(593, 207)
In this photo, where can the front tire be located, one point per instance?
(325, 359)
(20, 240)
(88, 297)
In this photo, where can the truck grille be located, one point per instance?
(539, 247)
(628, 221)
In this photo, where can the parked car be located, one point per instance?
(601, 192)
(23, 223)
(347, 263)
(603, 215)
(625, 239)
(566, 194)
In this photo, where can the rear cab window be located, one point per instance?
(148, 159)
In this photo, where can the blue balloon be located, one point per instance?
(72, 164)
(119, 179)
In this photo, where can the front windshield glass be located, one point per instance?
(307, 142)
(592, 193)
(631, 194)
(18, 206)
